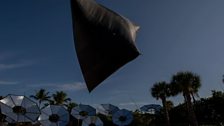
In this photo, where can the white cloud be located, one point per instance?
(10, 66)
(75, 86)
(11, 60)
(72, 86)
(15, 65)
(133, 103)
(8, 82)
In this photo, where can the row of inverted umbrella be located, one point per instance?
(22, 109)
(120, 117)
(54, 115)
(87, 114)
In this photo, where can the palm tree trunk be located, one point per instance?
(191, 113)
(166, 112)
(192, 95)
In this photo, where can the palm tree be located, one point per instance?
(60, 98)
(71, 105)
(188, 84)
(41, 96)
(160, 90)
(169, 105)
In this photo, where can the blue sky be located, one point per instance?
(37, 50)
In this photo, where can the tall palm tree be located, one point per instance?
(41, 96)
(60, 98)
(160, 90)
(188, 84)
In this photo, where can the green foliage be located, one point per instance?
(185, 82)
(71, 105)
(41, 96)
(60, 98)
(141, 119)
(160, 90)
(209, 111)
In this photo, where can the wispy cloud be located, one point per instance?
(5, 55)
(74, 86)
(12, 60)
(24, 63)
(11, 66)
(8, 82)
(133, 103)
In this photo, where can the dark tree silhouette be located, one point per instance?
(187, 83)
(160, 90)
(60, 98)
(41, 96)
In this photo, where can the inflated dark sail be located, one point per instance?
(104, 40)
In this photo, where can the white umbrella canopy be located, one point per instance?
(19, 108)
(54, 115)
(92, 121)
(122, 117)
(110, 109)
(83, 111)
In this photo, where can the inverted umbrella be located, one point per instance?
(109, 108)
(9, 120)
(19, 108)
(104, 40)
(54, 115)
(122, 117)
(151, 108)
(92, 121)
(83, 111)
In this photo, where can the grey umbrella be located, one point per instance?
(109, 108)
(19, 108)
(9, 120)
(122, 117)
(92, 121)
(83, 111)
(54, 115)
